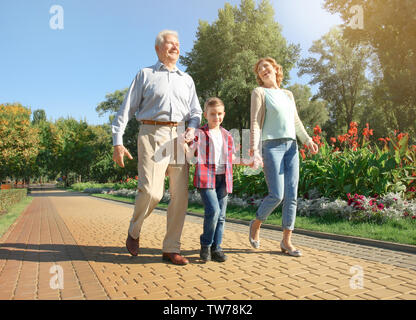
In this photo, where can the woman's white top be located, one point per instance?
(280, 115)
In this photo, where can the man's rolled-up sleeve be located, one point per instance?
(127, 110)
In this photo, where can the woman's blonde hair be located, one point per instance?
(276, 66)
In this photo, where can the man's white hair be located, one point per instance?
(161, 36)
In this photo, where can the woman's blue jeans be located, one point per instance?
(215, 205)
(281, 170)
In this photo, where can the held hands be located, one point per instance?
(189, 134)
(118, 155)
(257, 160)
(186, 141)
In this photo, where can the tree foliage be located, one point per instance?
(224, 53)
(339, 71)
(19, 142)
(389, 28)
(311, 112)
(111, 105)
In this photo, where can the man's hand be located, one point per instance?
(119, 153)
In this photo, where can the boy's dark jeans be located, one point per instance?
(215, 204)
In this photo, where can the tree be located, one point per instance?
(77, 154)
(50, 149)
(19, 142)
(103, 168)
(311, 112)
(340, 73)
(389, 28)
(111, 105)
(224, 53)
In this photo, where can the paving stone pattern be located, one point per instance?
(84, 238)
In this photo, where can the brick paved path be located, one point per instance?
(85, 237)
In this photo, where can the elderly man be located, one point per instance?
(162, 98)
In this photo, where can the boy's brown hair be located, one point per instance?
(213, 102)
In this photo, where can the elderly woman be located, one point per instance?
(274, 120)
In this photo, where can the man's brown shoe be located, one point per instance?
(175, 258)
(132, 245)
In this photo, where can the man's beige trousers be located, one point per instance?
(157, 158)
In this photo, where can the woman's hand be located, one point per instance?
(257, 161)
(312, 147)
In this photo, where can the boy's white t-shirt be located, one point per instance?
(218, 143)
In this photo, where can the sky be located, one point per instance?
(103, 43)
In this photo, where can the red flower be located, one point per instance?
(317, 139)
(343, 138)
(401, 135)
(333, 140)
(317, 130)
(367, 131)
(353, 131)
(302, 153)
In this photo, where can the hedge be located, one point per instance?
(11, 197)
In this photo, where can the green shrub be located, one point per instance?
(81, 186)
(11, 197)
(359, 168)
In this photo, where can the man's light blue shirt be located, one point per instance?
(160, 95)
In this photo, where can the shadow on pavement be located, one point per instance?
(66, 252)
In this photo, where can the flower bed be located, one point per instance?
(359, 208)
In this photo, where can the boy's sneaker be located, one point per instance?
(218, 256)
(205, 254)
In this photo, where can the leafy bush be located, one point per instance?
(367, 170)
(10, 197)
(82, 186)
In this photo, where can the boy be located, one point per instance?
(213, 150)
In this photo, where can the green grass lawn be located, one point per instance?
(401, 231)
(6, 220)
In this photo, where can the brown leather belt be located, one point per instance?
(160, 123)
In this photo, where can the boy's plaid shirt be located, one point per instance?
(204, 176)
